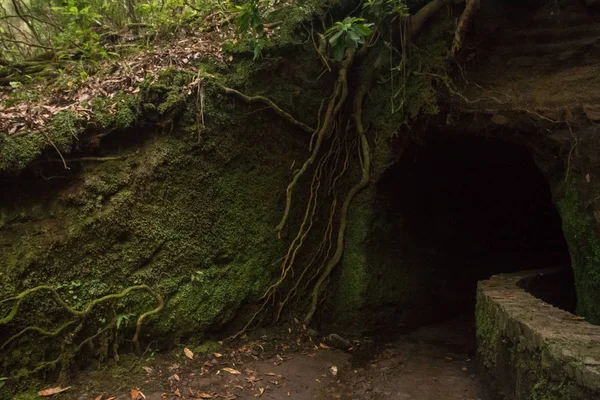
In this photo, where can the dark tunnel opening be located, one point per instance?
(457, 210)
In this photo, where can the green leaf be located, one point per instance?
(338, 52)
(352, 35)
(335, 37)
(364, 29)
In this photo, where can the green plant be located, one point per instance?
(249, 18)
(381, 9)
(3, 380)
(123, 320)
(348, 34)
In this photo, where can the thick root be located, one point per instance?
(78, 316)
(467, 16)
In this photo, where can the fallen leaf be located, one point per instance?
(261, 391)
(208, 364)
(218, 355)
(189, 354)
(324, 346)
(98, 398)
(205, 396)
(111, 398)
(177, 392)
(52, 391)
(232, 371)
(136, 394)
(176, 377)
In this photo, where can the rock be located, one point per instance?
(591, 361)
(337, 342)
(592, 111)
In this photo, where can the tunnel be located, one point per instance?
(457, 209)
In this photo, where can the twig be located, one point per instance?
(57, 150)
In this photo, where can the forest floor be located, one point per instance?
(431, 363)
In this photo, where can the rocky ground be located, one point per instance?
(432, 363)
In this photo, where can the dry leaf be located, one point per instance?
(136, 394)
(52, 391)
(205, 396)
(176, 377)
(324, 346)
(177, 392)
(261, 391)
(232, 371)
(218, 355)
(208, 364)
(189, 354)
(98, 398)
(111, 398)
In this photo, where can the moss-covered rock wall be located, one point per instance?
(188, 211)
(571, 163)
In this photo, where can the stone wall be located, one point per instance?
(528, 349)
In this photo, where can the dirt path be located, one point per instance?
(433, 363)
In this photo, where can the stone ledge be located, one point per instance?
(568, 347)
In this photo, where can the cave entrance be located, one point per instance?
(456, 210)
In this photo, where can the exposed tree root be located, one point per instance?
(463, 24)
(78, 316)
(340, 92)
(270, 104)
(340, 132)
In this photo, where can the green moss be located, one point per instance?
(17, 153)
(549, 390)
(118, 112)
(208, 347)
(212, 298)
(171, 210)
(488, 334)
(353, 277)
(580, 231)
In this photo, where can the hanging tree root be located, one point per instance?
(78, 316)
(340, 92)
(339, 134)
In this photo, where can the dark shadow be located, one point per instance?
(457, 210)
